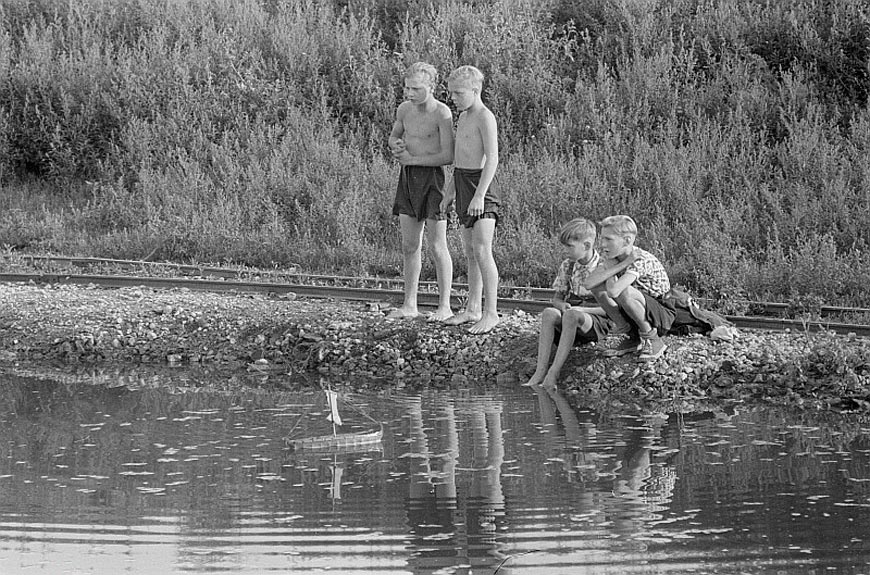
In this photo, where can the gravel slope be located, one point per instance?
(286, 335)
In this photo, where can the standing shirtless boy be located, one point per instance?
(477, 200)
(422, 141)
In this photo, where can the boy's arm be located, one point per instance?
(449, 192)
(591, 310)
(395, 138)
(617, 286)
(602, 273)
(489, 138)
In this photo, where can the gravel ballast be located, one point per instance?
(286, 335)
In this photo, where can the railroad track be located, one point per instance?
(371, 294)
(322, 280)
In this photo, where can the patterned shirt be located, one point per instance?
(569, 280)
(651, 275)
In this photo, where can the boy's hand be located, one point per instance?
(397, 147)
(403, 157)
(475, 207)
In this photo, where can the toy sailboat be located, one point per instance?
(346, 438)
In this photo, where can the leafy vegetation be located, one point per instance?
(736, 132)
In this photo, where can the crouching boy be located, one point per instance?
(629, 286)
(575, 318)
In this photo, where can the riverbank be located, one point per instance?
(283, 335)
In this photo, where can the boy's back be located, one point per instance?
(651, 274)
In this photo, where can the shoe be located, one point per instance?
(620, 344)
(652, 348)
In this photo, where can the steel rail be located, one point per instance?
(534, 293)
(376, 294)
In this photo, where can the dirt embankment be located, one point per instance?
(285, 335)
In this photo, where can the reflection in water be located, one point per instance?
(144, 479)
(452, 529)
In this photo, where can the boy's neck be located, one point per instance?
(585, 261)
(426, 104)
(474, 107)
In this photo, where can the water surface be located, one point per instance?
(173, 479)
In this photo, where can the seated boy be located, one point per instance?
(629, 286)
(575, 316)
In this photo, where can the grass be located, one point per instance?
(254, 133)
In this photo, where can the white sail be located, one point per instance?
(332, 401)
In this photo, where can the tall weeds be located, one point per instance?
(737, 132)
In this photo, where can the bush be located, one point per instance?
(736, 133)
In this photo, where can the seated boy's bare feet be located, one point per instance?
(462, 317)
(440, 315)
(535, 380)
(403, 313)
(486, 323)
(549, 382)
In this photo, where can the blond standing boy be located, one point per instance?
(477, 201)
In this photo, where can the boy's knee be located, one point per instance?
(630, 296)
(410, 248)
(439, 251)
(572, 315)
(551, 315)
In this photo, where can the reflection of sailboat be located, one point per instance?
(346, 437)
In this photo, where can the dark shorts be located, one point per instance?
(465, 182)
(419, 193)
(659, 315)
(601, 326)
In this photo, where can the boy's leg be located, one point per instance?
(633, 302)
(482, 235)
(622, 339)
(436, 234)
(572, 320)
(473, 307)
(611, 308)
(412, 243)
(550, 318)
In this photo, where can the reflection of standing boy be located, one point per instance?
(629, 286)
(477, 201)
(422, 141)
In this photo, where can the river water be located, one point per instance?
(159, 477)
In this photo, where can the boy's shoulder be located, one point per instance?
(443, 110)
(643, 255)
(646, 263)
(479, 114)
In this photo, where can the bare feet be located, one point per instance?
(463, 317)
(550, 382)
(440, 315)
(403, 313)
(535, 380)
(486, 323)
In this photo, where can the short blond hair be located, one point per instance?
(423, 69)
(622, 225)
(578, 229)
(469, 74)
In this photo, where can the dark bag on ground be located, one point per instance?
(690, 317)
